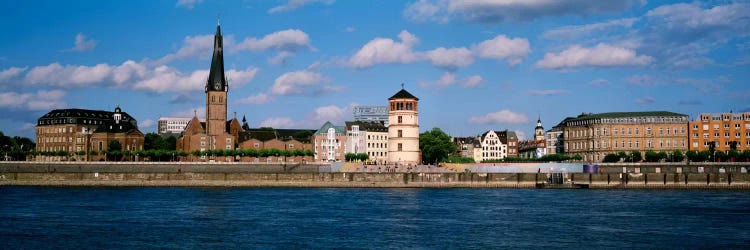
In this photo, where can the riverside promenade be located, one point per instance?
(320, 175)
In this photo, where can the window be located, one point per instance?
(705, 126)
(649, 143)
(667, 130)
(400, 120)
(661, 131)
(400, 147)
(637, 131)
(638, 144)
(616, 131)
(726, 134)
(291, 145)
(400, 133)
(630, 131)
(648, 130)
(695, 135)
(256, 145)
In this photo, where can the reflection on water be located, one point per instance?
(47, 217)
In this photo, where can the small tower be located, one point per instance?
(539, 130)
(117, 116)
(403, 129)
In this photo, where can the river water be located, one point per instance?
(305, 218)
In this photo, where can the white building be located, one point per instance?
(493, 147)
(173, 125)
(367, 137)
(371, 114)
(403, 129)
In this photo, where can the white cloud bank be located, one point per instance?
(602, 55)
(500, 117)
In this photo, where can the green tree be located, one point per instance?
(720, 156)
(733, 155)
(623, 156)
(677, 156)
(745, 156)
(635, 156)
(349, 157)
(577, 157)
(692, 156)
(435, 145)
(611, 158)
(303, 136)
(651, 156)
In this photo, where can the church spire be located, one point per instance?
(216, 79)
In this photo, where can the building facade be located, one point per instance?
(403, 129)
(216, 132)
(371, 114)
(173, 125)
(510, 139)
(492, 147)
(468, 147)
(330, 143)
(86, 131)
(555, 140)
(367, 137)
(595, 135)
(726, 131)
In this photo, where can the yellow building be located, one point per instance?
(403, 129)
(595, 135)
(726, 131)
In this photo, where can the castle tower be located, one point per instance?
(539, 130)
(403, 129)
(216, 90)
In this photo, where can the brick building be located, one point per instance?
(595, 135)
(726, 131)
(216, 132)
(330, 143)
(82, 130)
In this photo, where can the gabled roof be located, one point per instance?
(82, 116)
(403, 94)
(324, 129)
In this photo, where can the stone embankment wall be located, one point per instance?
(242, 176)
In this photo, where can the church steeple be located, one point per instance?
(216, 79)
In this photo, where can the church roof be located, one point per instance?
(216, 79)
(403, 94)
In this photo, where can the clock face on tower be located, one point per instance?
(216, 86)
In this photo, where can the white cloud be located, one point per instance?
(548, 92)
(82, 44)
(285, 40)
(602, 55)
(278, 122)
(350, 29)
(11, 73)
(473, 81)
(280, 57)
(493, 11)
(68, 76)
(645, 100)
(146, 123)
(130, 74)
(386, 50)
(425, 10)
(447, 79)
(194, 46)
(41, 100)
(501, 47)
(521, 135)
(260, 98)
(197, 111)
(451, 58)
(500, 117)
(301, 83)
(576, 31)
(295, 4)
(335, 114)
(599, 82)
(188, 4)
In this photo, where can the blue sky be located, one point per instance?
(475, 65)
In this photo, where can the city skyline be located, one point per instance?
(475, 66)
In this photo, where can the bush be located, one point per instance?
(610, 158)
